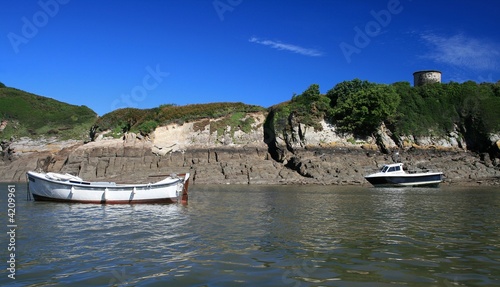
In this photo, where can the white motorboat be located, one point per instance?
(394, 175)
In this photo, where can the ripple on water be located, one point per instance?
(267, 236)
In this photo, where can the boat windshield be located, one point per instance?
(394, 168)
(387, 168)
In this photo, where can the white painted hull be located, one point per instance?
(394, 175)
(169, 190)
(418, 179)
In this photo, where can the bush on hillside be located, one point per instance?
(360, 106)
(436, 109)
(308, 108)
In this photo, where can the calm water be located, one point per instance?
(261, 236)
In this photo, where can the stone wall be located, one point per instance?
(426, 77)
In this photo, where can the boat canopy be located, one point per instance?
(398, 167)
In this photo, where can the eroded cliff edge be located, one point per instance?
(298, 155)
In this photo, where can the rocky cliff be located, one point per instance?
(299, 154)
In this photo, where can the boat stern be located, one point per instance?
(184, 196)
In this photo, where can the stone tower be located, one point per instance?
(426, 77)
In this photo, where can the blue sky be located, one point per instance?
(130, 53)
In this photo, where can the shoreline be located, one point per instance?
(463, 183)
(134, 161)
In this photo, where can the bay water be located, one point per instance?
(239, 235)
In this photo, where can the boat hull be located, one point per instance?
(424, 180)
(169, 190)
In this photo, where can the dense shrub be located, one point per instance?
(307, 108)
(361, 106)
(438, 108)
(147, 127)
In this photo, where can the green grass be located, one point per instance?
(237, 121)
(35, 116)
(144, 121)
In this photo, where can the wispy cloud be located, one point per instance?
(463, 52)
(287, 47)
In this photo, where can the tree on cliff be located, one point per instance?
(361, 106)
(311, 103)
(308, 108)
(438, 109)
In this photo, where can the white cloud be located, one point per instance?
(287, 47)
(463, 52)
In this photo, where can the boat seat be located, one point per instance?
(103, 183)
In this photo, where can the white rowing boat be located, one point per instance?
(69, 188)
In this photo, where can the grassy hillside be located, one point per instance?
(146, 120)
(353, 106)
(34, 116)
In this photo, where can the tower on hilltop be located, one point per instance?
(426, 77)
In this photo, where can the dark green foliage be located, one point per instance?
(147, 127)
(34, 116)
(344, 89)
(360, 106)
(311, 106)
(490, 109)
(2, 85)
(435, 109)
(122, 120)
(308, 108)
(409, 118)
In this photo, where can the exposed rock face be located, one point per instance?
(134, 161)
(299, 154)
(25, 154)
(202, 134)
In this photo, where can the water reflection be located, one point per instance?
(268, 236)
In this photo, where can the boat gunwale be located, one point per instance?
(169, 200)
(90, 185)
(418, 174)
